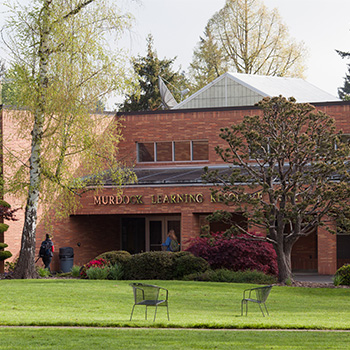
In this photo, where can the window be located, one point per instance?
(146, 152)
(170, 151)
(164, 151)
(182, 151)
(200, 150)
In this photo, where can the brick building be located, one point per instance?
(168, 150)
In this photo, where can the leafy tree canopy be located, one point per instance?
(289, 174)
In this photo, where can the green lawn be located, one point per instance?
(213, 309)
(191, 305)
(166, 339)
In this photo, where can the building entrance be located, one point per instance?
(144, 234)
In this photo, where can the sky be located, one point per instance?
(323, 25)
(176, 26)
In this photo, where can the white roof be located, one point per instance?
(236, 89)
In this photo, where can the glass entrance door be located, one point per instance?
(140, 234)
(157, 229)
(155, 235)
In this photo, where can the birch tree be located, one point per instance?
(62, 68)
(289, 175)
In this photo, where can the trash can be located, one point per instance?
(66, 255)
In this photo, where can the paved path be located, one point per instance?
(310, 277)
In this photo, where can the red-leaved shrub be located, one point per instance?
(235, 253)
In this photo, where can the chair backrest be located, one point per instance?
(144, 292)
(262, 293)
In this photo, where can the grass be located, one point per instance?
(196, 305)
(69, 302)
(165, 339)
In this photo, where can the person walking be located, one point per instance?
(46, 251)
(171, 243)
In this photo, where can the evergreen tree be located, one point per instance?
(145, 94)
(344, 92)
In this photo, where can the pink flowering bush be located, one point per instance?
(99, 263)
(235, 253)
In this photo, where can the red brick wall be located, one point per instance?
(96, 233)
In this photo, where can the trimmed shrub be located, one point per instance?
(186, 263)
(342, 276)
(163, 265)
(115, 257)
(235, 253)
(150, 265)
(229, 276)
(4, 254)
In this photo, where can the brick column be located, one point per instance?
(327, 251)
(190, 227)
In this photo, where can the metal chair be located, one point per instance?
(149, 295)
(261, 294)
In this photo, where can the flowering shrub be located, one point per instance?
(235, 253)
(100, 263)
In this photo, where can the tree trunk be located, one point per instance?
(284, 262)
(25, 267)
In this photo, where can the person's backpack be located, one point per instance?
(174, 246)
(45, 249)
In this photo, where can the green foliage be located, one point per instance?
(286, 149)
(110, 272)
(115, 257)
(229, 276)
(5, 255)
(116, 272)
(3, 227)
(145, 93)
(344, 92)
(186, 263)
(150, 265)
(254, 40)
(10, 266)
(97, 273)
(75, 271)
(208, 60)
(163, 265)
(42, 272)
(342, 276)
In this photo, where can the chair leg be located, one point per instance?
(167, 310)
(155, 313)
(132, 312)
(261, 309)
(146, 313)
(266, 309)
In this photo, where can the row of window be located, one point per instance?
(172, 151)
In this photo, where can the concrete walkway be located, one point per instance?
(313, 277)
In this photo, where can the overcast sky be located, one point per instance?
(176, 26)
(323, 25)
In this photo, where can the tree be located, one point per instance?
(253, 40)
(6, 213)
(61, 68)
(208, 62)
(289, 174)
(344, 92)
(145, 95)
